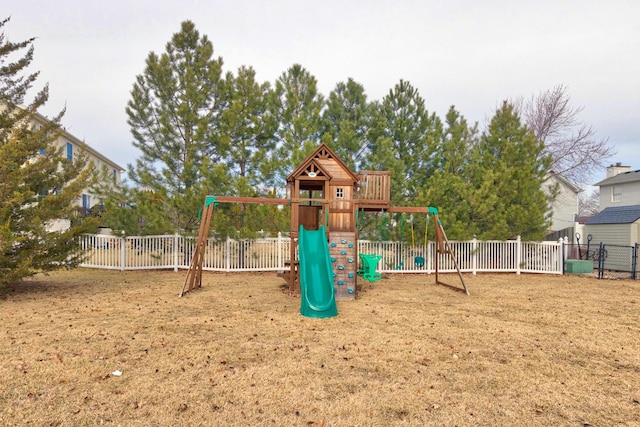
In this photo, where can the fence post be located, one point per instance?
(227, 250)
(634, 262)
(563, 241)
(474, 255)
(175, 252)
(280, 247)
(518, 254)
(601, 261)
(123, 253)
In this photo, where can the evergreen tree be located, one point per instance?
(448, 187)
(297, 105)
(247, 127)
(404, 136)
(39, 185)
(346, 122)
(508, 198)
(174, 115)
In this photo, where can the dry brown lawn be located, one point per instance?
(529, 350)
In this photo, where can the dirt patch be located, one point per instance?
(521, 350)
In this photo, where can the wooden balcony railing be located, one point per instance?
(374, 188)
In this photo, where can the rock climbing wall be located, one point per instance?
(343, 251)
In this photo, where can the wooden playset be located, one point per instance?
(323, 191)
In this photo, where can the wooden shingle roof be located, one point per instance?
(327, 161)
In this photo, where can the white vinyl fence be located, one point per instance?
(269, 254)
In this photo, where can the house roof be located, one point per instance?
(554, 175)
(621, 178)
(72, 138)
(616, 215)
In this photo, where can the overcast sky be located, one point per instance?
(469, 53)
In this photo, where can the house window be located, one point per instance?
(115, 175)
(339, 193)
(616, 193)
(69, 151)
(86, 201)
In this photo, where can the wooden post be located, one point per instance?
(443, 246)
(194, 275)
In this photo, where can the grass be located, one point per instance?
(529, 350)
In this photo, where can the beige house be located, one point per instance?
(564, 208)
(72, 148)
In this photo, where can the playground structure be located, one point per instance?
(324, 194)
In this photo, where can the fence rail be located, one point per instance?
(270, 254)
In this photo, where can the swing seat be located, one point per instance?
(419, 261)
(369, 263)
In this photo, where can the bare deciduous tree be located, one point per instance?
(589, 202)
(574, 148)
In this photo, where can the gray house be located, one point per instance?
(621, 187)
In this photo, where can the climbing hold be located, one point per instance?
(333, 245)
(340, 282)
(343, 241)
(343, 252)
(350, 259)
(341, 267)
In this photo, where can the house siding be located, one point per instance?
(630, 195)
(72, 148)
(613, 234)
(564, 208)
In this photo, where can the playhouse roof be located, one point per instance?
(325, 160)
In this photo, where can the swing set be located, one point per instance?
(384, 224)
(323, 193)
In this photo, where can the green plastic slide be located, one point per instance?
(317, 296)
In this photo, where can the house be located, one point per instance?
(564, 208)
(621, 187)
(74, 147)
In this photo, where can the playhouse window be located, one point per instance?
(339, 193)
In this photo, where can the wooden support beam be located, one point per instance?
(252, 200)
(443, 246)
(407, 209)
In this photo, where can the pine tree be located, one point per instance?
(247, 127)
(39, 186)
(346, 122)
(404, 136)
(448, 187)
(508, 198)
(296, 104)
(174, 115)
